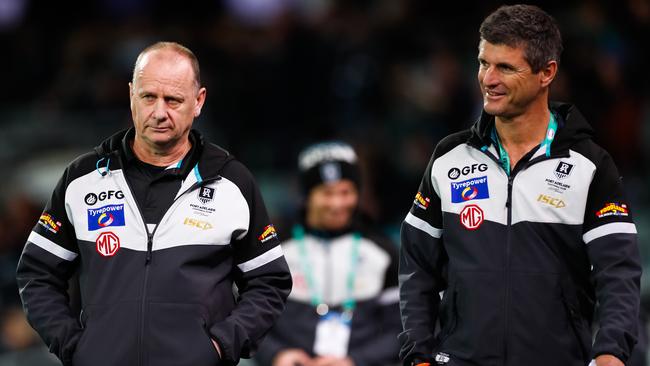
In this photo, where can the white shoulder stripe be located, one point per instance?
(607, 229)
(261, 259)
(47, 244)
(418, 223)
(389, 296)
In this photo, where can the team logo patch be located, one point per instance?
(471, 217)
(267, 234)
(563, 170)
(471, 189)
(421, 201)
(49, 223)
(111, 215)
(613, 209)
(107, 244)
(206, 194)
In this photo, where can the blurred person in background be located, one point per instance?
(22, 346)
(159, 225)
(343, 309)
(522, 221)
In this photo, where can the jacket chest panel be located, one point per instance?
(330, 265)
(100, 205)
(553, 191)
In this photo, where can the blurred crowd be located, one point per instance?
(391, 77)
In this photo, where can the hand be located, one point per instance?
(608, 360)
(292, 357)
(216, 346)
(333, 361)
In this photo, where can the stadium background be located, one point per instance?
(391, 77)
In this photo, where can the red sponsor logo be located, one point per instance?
(107, 244)
(471, 217)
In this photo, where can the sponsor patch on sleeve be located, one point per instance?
(421, 201)
(613, 209)
(267, 234)
(49, 223)
(111, 215)
(471, 189)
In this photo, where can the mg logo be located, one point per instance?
(107, 244)
(471, 217)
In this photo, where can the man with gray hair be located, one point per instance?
(522, 221)
(159, 225)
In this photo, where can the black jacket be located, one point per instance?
(154, 294)
(375, 324)
(522, 259)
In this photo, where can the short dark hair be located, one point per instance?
(527, 25)
(178, 48)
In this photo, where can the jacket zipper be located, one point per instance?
(511, 179)
(149, 255)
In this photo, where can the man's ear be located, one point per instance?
(547, 73)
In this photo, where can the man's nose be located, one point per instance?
(160, 110)
(490, 77)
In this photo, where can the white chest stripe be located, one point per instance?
(418, 223)
(261, 259)
(47, 244)
(607, 229)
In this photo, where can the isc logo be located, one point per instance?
(203, 225)
(555, 202)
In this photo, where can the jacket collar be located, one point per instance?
(572, 127)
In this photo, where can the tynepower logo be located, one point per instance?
(111, 215)
(471, 189)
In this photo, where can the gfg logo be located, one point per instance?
(455, 173)
(92, 198)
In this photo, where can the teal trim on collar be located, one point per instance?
(504, 159)
(197, 174)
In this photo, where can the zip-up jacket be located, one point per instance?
(522, 258)
(154, 294)
(375, 322)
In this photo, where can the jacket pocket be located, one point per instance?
(177, 334)
(109, 335)
(579, 327)
(448, 316)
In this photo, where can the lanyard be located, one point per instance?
(504, 159)
(317, 298)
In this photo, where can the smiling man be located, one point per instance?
(158, 224)
(522, 222)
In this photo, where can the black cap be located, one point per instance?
(328, 162)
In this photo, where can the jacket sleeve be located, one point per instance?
(422, 258)
(610, 236)
(384, 348)
(262, 278)
(48, 261)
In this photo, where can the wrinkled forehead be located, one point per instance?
(164, 65)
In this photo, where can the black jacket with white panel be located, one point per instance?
(154, 294)
(375, 322)
(522, 259)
